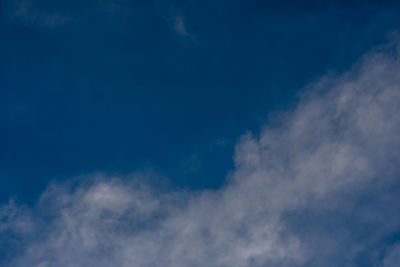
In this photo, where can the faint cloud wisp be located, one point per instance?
(24, 11)
(179, 26)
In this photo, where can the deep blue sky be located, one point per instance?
(120, 86)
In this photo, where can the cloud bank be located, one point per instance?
(319, 186)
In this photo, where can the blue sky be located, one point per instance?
(207, 100)
(116, 86)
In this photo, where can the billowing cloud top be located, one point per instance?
(317, 187)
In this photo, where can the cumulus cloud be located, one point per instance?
(317, 187)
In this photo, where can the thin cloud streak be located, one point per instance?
(321, 188)
(26, 12)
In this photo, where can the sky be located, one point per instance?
(199, 133)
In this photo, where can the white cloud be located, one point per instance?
(319, 189)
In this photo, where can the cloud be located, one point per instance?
(30, 12)
(180, 28)
(392, 258)
(40, 15)
(320, 187)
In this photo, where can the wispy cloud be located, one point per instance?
(392, 258)
(24, 11)
(319, 189)
(180, 28)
